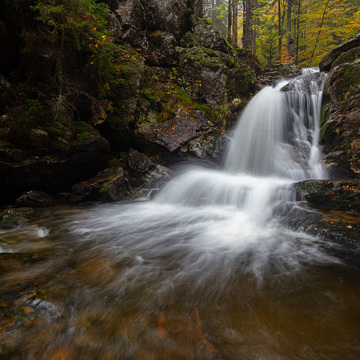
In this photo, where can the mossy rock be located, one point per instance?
(11, 218)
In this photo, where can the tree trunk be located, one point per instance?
(297, 32)
(290, 40)
(248, 27)
(279, 28)
(229, 20)
(199, 8)
(255, 23)
(318, 34)
(212, 11)
(234, 37)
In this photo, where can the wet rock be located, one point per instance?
(138, 177)
(139, 162)
(152, 181)
(340, 226)
(34, 198)
(271, 75)
(11, 218)
(108, 185)
(341, 195)
(209, 145)
(175, 133)
(341, 109)
(43, 308)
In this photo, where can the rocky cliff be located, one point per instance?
(341, 110)
(66, 112)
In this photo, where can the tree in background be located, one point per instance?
(248, 40)
(286, 31)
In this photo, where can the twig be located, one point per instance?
(201, 335)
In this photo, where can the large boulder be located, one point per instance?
(72, 154)
(328, 60)
(341, 110)
(188, 132)
(329, 208)
(341, 195)
(138, 177)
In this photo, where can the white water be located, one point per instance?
(204, 221)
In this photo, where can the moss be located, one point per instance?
(51, 130)
(83, 129)
(323, 130)
(205, 21)
(348, 71)
(151, 95)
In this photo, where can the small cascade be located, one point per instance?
(278, 132)
(274, 144)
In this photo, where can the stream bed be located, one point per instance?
(144, 281)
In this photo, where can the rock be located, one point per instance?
(209, 145)
(34, 198)
(335, 225)
(152, 181)
(108, 185)
(39, 140)
(117, 183)
(328, 60)
(216, 78)
(11, 218)
(171, 16)
(175, 133)
(62, 198)
(268, 76)
(341, 195)
(340, 134)
(334, 210)
(208, 36)
(13, 155)
(72, 155)
(139, 162)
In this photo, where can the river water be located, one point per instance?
(216, 266)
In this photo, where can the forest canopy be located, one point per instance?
(286, 31)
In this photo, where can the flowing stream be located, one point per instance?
(216, 266)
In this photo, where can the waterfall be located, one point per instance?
(275, 143)
(278, 132)
(209, 223)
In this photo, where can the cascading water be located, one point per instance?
(209, 269)
(239, 209)
(278, 134)
(275, 143)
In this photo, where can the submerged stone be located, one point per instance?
(11, 218)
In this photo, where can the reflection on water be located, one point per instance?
(153, 281)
